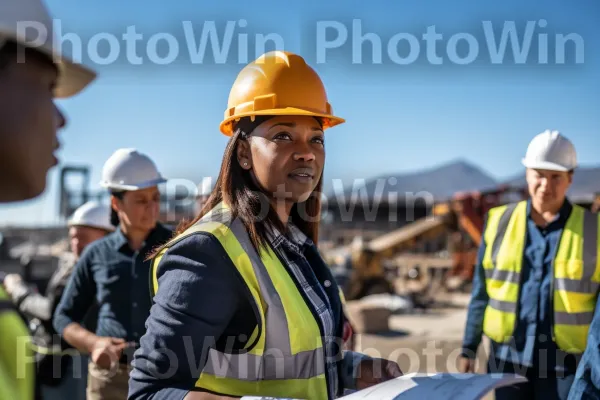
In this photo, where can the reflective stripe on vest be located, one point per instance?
(6, 305)
(576, 274)
(284, 357)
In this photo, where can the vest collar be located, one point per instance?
(294, 237)
(563, 213)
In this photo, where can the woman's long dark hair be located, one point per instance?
(114, 215)
(236, 188)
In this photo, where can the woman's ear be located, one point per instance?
(114, 204)
(243, 154)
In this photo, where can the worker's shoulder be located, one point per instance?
(187, 239)
(101, 246)
(199, 251)
(202, 233)
(198, 245)
(506, 206)
(66, 262)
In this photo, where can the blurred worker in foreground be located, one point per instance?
(245, 279)
(113, 272)
(31, 76)
(89, 223)
(536, 279)
(587, 379)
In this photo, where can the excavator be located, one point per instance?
(403, 259)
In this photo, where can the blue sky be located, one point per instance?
(400, 117)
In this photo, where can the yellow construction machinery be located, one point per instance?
(427, 254)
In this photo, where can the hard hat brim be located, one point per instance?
(546, 165)
(72, 77)
(140, 186)
(71, 223)
(328, 120)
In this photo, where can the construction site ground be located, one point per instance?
(428, 341)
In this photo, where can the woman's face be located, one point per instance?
(285, 155)
(139, 209)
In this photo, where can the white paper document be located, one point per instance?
(436, 386)
(421, 386)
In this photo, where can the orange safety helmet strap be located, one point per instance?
(278, 83)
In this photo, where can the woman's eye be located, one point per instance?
(282, 136)
(319, 140)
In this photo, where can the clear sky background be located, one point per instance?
(400, 117)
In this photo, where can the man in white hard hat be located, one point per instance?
(114, 272)
(89, 223)
(32, 73)
(536, 280)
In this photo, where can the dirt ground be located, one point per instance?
(428, 342)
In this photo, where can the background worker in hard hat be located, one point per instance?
(29, 122)
(60, 370)
(536, 279)
(253, 280)
(204, 190)
(113, 272)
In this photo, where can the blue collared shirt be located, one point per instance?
(114, 278)
(532, 345)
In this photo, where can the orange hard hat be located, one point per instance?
(278, 83)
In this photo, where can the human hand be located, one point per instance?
(347, 337)
(466, 365)
(106, 351)
(11, 281)
(376, 370)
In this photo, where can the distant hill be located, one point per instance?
(441, 182)
(444, 180)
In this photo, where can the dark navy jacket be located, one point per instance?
(202, 300)
(115, 278)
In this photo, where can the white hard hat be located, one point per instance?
(551, 150)
(128, 169)
(28, 23)
(206, 186)
(93, 214)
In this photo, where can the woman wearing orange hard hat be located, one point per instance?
(243, 303)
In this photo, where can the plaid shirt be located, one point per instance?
(291, 251)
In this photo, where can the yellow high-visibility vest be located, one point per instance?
(17, 366)
(284, 356)
(575, 268)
